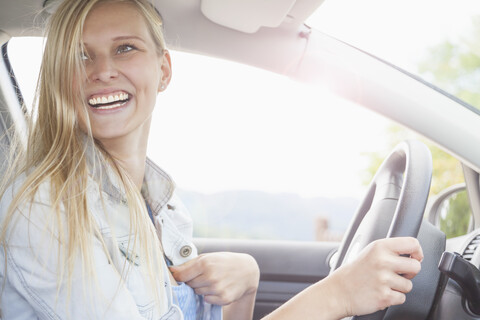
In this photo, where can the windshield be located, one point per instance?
(436, 40)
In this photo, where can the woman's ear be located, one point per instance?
(166, 68)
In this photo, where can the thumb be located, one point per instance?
(187, 271)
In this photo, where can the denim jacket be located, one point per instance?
(30, 272)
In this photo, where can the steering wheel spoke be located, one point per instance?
(393, 206)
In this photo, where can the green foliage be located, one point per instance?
(454, 66)
(447, 171)
(455, 215)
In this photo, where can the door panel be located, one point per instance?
(286, 267)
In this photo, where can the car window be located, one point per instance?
(246, 145)
(25, 55)
(255, 154)
(259, 155)
(436, 40)
(455, 218)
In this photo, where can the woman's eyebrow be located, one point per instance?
(128, 37)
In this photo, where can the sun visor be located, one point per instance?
(51, 5)
(247, 15)
(4, 37)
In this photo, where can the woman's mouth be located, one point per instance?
(109, 101)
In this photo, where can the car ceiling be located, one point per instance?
(248, 29)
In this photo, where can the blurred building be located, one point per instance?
(323, 232)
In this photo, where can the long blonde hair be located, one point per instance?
(57, 151)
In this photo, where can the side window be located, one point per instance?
(257, 155)
(25, 56)
(456, 215)
(254, 154)
(451, 212)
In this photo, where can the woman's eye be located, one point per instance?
(125, 48)
(84, 56)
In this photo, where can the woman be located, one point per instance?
(89, 224)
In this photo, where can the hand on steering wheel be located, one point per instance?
(394, 204)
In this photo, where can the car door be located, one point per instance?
(286, 267)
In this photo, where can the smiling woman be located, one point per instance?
(83, 189)
(82, 139)
(91, 228)
(123, 61)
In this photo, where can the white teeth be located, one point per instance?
(108, 99)
(111, 106)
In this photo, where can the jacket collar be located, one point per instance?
(157, 188)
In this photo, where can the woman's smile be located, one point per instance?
(109, 101)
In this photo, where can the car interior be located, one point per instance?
(272, 35)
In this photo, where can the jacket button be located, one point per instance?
(185, 251)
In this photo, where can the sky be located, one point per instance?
(273, 135)
(396, 30)
(329, 158)
(211, 136)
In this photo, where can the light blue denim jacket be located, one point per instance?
(31, 274)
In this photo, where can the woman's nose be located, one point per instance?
(102, 69)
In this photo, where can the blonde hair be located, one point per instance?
(57, 152)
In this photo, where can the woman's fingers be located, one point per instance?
(393, 298)
(406, 255)
(205, 291)
(223, 277)
(382, 272)
(187, 271)
(407, 267)
(406, 246)
(401, 284)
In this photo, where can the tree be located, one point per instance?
(447, 170)
(454, 66)
(455, 215)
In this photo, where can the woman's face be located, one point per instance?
(124, 73)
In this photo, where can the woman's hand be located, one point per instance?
(379, 277)
(221, 277)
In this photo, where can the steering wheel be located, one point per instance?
(393, 206)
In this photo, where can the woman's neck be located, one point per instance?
(130, 153)
(134, 166)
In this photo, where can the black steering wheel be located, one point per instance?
(393, 206)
